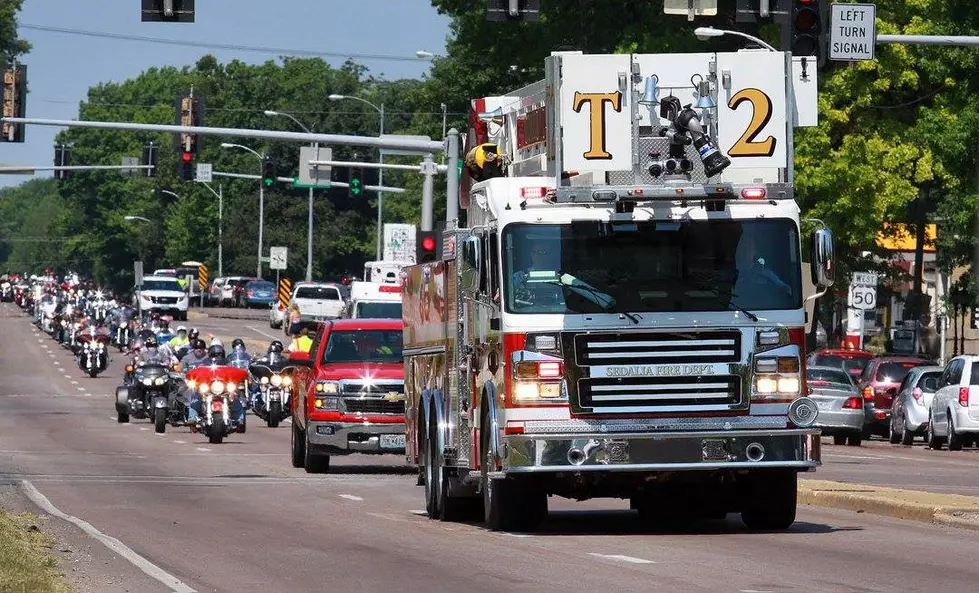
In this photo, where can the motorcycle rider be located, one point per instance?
(275, 360)
(218, 357)
(197, 356)
(163, 333)
(180, 340)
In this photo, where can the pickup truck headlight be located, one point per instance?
(327, 387)
(328, 403)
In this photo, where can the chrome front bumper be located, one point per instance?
(664, 451)
(344, 438)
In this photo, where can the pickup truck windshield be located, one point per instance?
(693, 265)
(373, 345)
(326, 293)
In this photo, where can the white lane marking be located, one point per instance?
(88, 395)
(181, 442)
(508, 534)
(143, 428)
(74, 382)
(876, 457)
(151, 570)
(258, 331)
(158, 434)
(81, 389)
(755, 591)
(350, 497)
(67, 376)
(419, 513)
(621, 558)
(203, 449)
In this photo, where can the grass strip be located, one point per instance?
(26, 562)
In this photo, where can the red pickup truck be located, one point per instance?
(349, 394)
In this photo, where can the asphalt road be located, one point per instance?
(238, 517)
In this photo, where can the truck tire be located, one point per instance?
(769, 500)
(298, 446)
(316, 463)
(507, 506)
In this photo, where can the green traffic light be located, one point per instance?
(269, 182)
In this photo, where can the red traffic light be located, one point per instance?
(428, 243)
(187, 157)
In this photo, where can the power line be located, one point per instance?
(244, 109)
(214, 45)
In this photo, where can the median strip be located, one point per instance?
(953, 510)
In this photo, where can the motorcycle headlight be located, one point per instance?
(232, 387)
(191, 384)
(161, 380)
(276, 380)
(217, 387)
(99, 345)
(287, 381)
(147, 381)
(202, 387)
(265, 380)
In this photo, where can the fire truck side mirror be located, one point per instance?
(471, 264)
(823, 266)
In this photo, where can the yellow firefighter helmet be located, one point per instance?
(485, 162)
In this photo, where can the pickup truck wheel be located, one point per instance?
(316, 463)
(769, 501)
(298, 446)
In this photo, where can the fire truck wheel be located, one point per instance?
(444, 507)
(508, 505)
(769, 501)
(433, 486)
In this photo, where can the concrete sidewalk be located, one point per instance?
(945, 509)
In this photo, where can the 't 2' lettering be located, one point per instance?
(596, 122)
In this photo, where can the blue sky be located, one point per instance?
(61, 67)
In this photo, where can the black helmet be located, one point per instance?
(216, 351)
(164, 324)
(193, 334)
(237, 343)
(275, 346)
(198, 344)
(150, 342)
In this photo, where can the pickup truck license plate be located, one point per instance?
(392, 441)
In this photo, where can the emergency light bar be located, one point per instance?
(673, 193)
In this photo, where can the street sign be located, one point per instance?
(205, 173)
(398, 151)
(863, 297)
(129, 161)
(314, 176)
(864, 279)
(277, 257)
(399, 242)
(853, 32)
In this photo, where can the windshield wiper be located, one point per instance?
(632, 317)
(731, 305)
(603, 300)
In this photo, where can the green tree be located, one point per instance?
(10, 46)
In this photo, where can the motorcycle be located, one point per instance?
(274, 386)
(93, 357)
(147, 394)
(218, 387)
(6, 292)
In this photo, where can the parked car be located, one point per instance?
(215, 292)
(231, 289)
(909, 411)
(878, 385)
(840, 406)
(258, 293)
(954, 412)
(853, 361)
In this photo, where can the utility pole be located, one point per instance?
(309, 229)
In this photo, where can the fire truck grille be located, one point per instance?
(374, 405)
(644, 348)
(701, 393)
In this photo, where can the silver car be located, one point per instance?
(840, 406)
(954, 410)
(909, 412)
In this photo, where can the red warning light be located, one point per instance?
(428, 243)
(187, 157)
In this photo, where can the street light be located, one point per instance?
(424, 55)
(261, 200)
(309, 225)
(380, 172)
(166, 191)
(705, 33)
(140, 218)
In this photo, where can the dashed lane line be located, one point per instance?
(81, 389)
(621, 558)
(180, 442)
(73, 382)
(143, 428)
(203, 449)
(150, 569)
(267, 335)
(351, 497)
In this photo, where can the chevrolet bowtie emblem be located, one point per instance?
(393, 397)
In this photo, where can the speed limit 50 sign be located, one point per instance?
(863, 297)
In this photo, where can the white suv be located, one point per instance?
(954, 413)
(162, 294)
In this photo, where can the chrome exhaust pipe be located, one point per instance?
(755, 452)
(576, 456)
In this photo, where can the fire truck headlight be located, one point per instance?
(525, 391)
(765, 385)
(803, 412)
(788, 385)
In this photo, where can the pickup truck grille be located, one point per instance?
(363, 388)
(676, 347)
(374, 405)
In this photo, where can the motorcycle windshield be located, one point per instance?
(239, 359)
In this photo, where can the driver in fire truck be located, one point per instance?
(754, 277)
(544, 259)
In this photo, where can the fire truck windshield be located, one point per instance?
(649, 266)
(372, 345)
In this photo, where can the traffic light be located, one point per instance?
(356, 182)
(167, 11)
(150, 150)
(512, 10)
(185, 166)
(14, 100)
(62, 158)
(807, 30)
(426, 246)
(974, 321)
(190, 112)
(269, 174)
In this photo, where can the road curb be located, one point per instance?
(942, 509)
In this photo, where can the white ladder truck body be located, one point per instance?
(622, 314)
